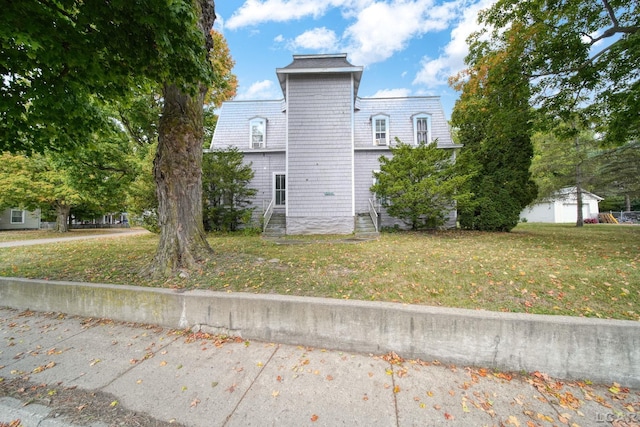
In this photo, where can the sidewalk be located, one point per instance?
(69, 238)
(57, 369)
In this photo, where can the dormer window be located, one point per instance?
(380, 129)
(258, 132)
(421, 129)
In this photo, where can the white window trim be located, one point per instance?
(22, 216)
(377, 142)
(415, 118)
(262, 122)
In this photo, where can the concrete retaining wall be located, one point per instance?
(564, 347)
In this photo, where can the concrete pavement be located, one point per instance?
(115, 232)
(57, 369)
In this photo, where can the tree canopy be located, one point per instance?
(95, 177)
(579, 56)
(59, 59)
(493, 120)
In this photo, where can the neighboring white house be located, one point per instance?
(314, 151)
(563, 207)
(18, 219)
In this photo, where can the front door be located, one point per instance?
(280, 189)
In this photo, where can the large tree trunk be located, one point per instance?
(177, 171)
(62, 217)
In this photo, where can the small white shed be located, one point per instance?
(562, 207)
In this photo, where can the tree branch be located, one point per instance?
(56, 8)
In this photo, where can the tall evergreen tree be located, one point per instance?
(493, 119)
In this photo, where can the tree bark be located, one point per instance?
(580, 219)
(62, 216)
(178, 175)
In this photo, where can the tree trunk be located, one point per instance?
(177, 170)
(62, 216)
(580, 220)
(627, 202)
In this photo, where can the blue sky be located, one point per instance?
(408, 47)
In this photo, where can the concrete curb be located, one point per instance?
(564, 347)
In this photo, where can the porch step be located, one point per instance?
(364, 226)
(277, 226)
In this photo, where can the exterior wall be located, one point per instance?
(541, 212)
(563, 209)
(31, 220)
(320, 225)
(264, 166)
(320, 153)
(366, 161)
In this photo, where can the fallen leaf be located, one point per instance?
(329, 378)
(396, 389)
(114, 403)
(448, 416)
(275, 393)
(544, 417)
(513, 420)
(195, 402)
(314, 418)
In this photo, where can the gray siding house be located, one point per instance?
(19, 219)
(314, 151)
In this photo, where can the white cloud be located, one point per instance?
(436, 71)
(320, 39)
(377, 29)
(392, 93)
(382, 29)
(254, 12)
(265, 89)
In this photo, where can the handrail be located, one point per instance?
(267, 214)
(374, 214)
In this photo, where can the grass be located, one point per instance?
(552, 269)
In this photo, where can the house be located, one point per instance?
(315, 150)
(18, 219)
(562, 206)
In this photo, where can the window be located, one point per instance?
(280, 189)
(380, 128)
(258, 132)
(421, 129)
(17, 217)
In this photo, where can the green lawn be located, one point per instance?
(555, 269)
